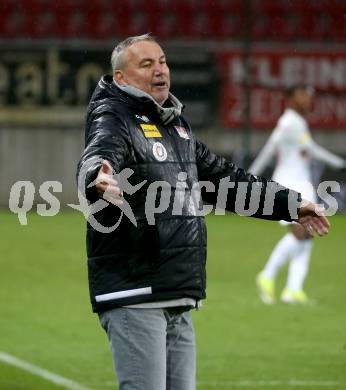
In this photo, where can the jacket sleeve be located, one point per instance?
(237, 190)
(106, 138)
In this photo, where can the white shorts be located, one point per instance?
(304, 187)
(285, 223)
(307, 191)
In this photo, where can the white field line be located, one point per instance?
(260, 383)
(273, 383)
(69, 384)
(35, 370)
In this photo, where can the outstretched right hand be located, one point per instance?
(106, 185)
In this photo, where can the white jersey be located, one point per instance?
(294, 148)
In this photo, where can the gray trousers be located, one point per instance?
(153, 349)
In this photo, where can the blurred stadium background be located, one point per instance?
(229, 61)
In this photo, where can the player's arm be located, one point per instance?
(219, 171)
(307, 145)
(265, 155)
(319, 153)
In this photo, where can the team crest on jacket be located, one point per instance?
(182, 132)
(159, 151)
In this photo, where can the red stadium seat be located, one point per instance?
(72, 18)
(109, 19)
(338, 31)
(228, 25)
(260, 27)
(42, 20)
(13, 19)
(275, 20)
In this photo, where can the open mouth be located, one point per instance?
(160, 84)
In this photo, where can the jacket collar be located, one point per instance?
(167, 114)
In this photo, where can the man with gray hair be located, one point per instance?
(145, 278)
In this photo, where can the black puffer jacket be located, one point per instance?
(166, 260)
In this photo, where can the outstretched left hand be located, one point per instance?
(312, 217)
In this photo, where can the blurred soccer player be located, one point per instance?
(291, 142)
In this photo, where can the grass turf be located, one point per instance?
(46, 319)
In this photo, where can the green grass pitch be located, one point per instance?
(46, 319)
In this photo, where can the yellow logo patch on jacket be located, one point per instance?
(150, 131)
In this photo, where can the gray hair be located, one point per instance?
(117, 59)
